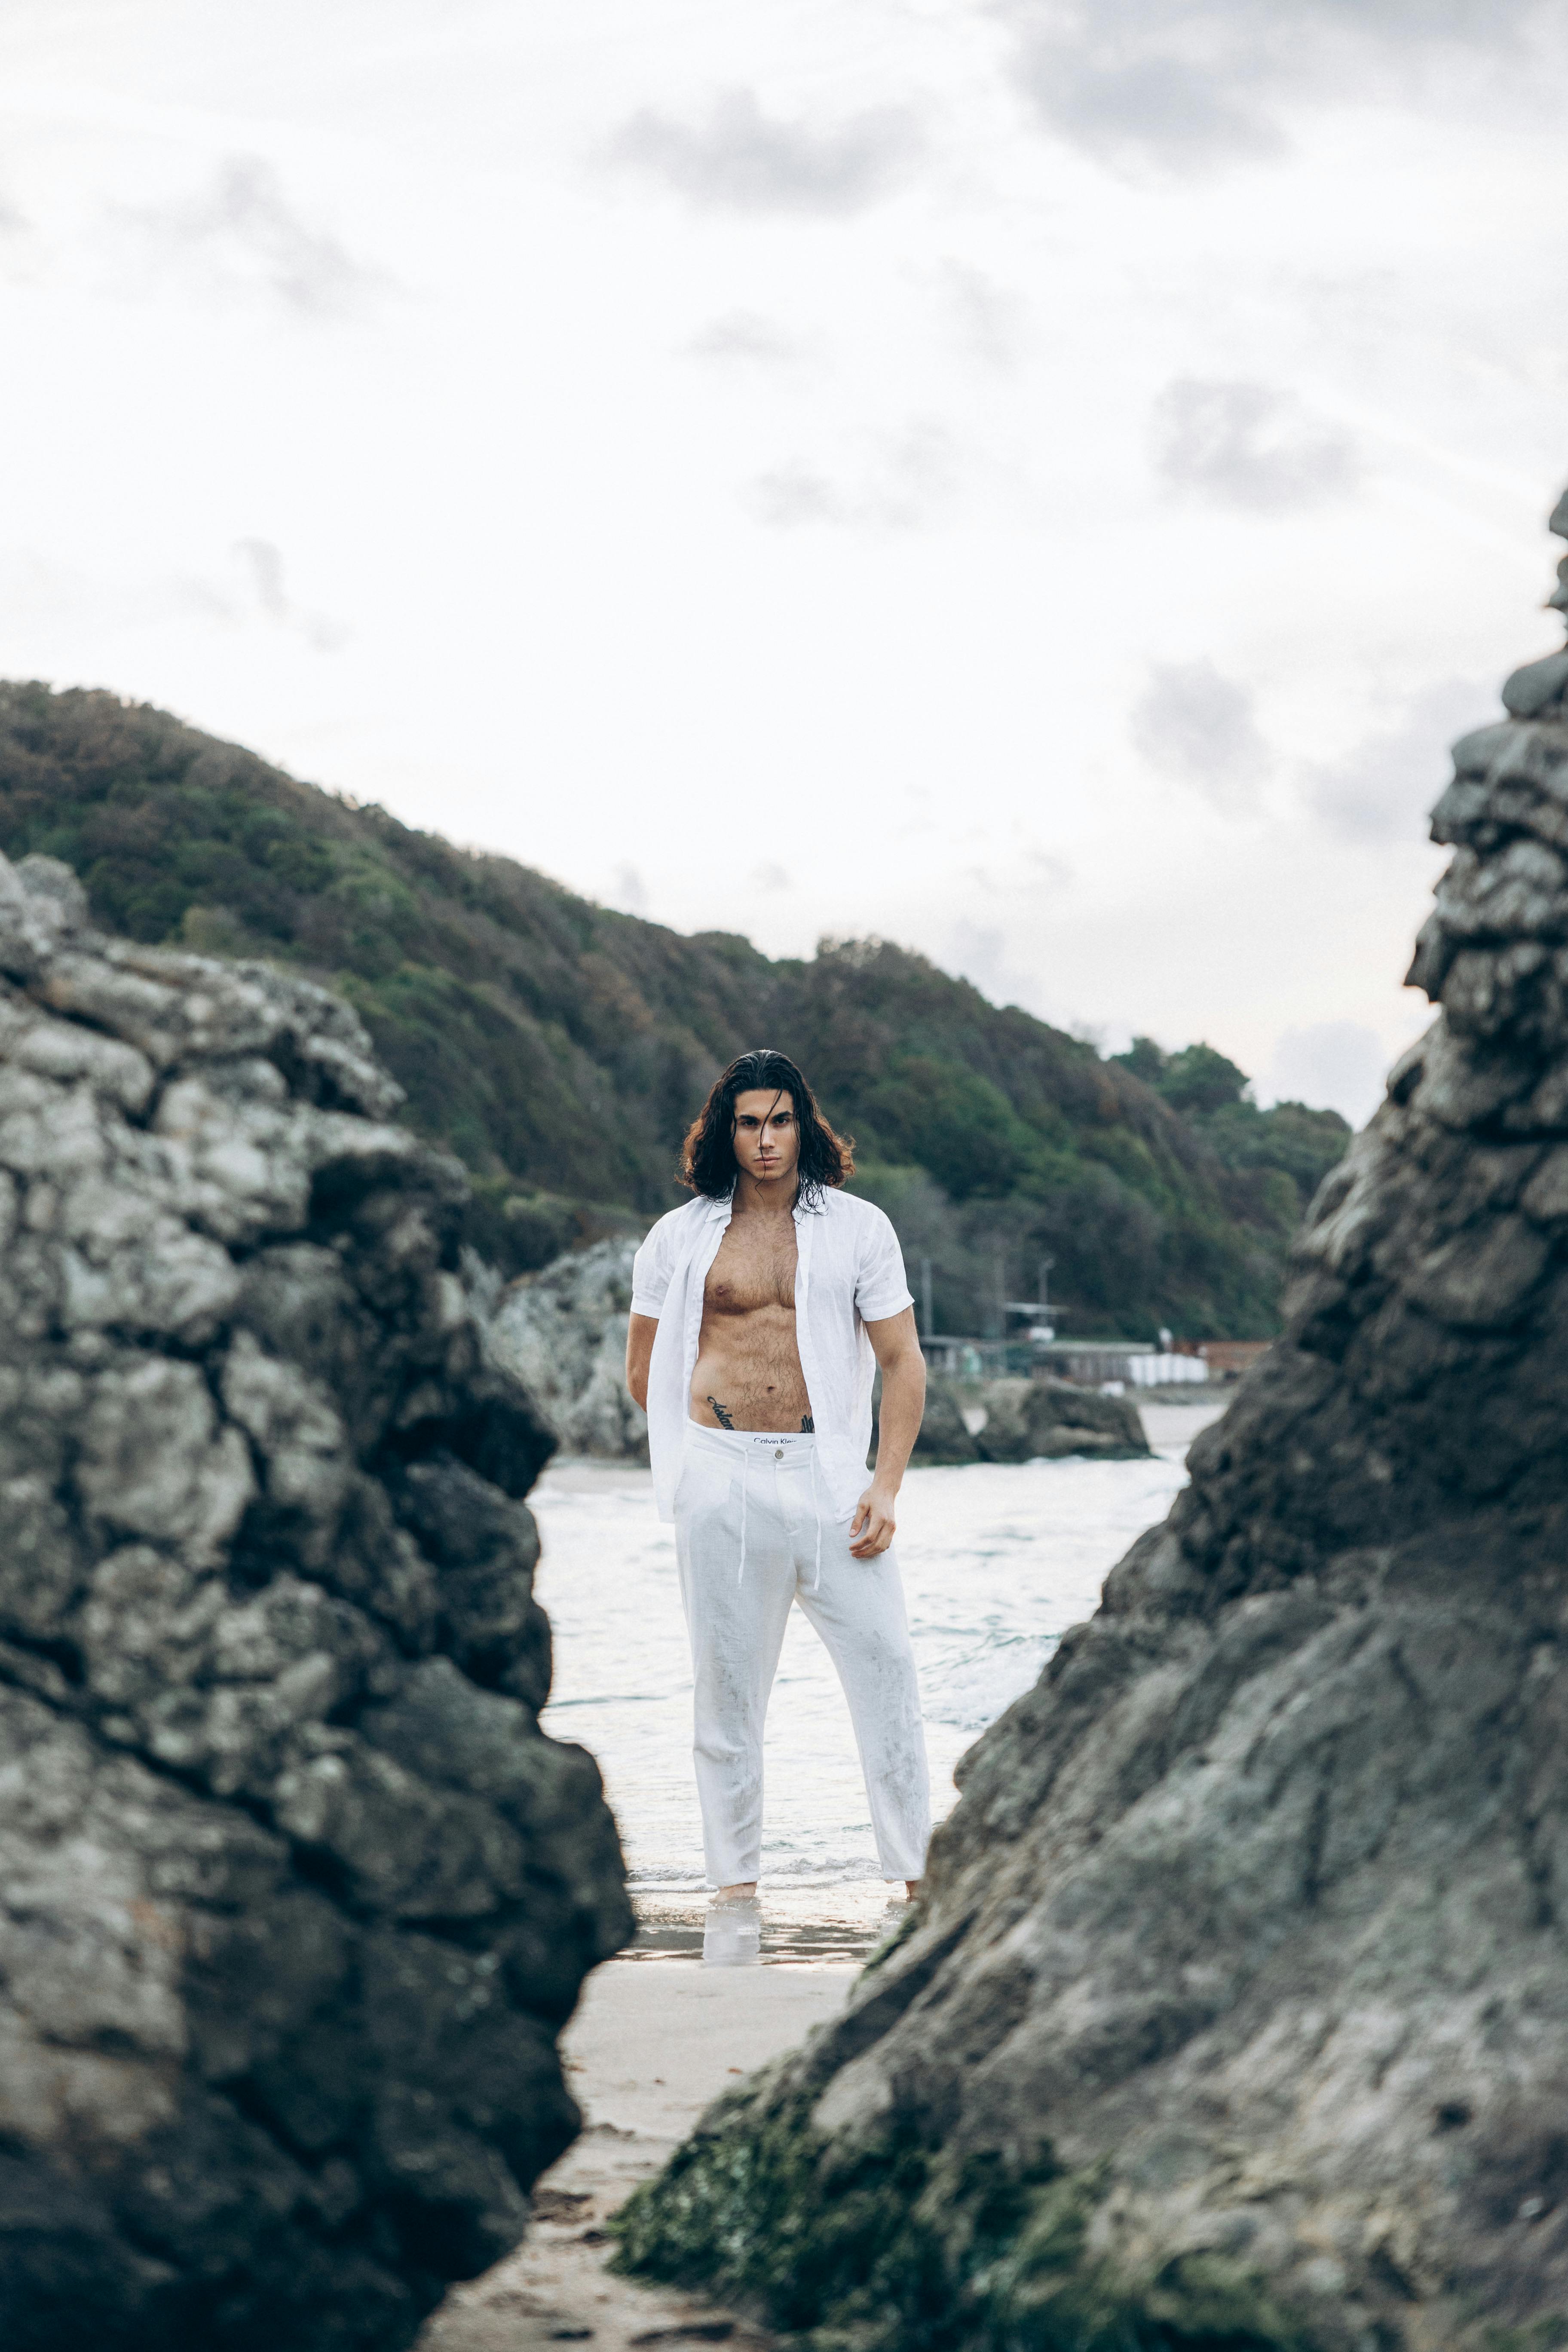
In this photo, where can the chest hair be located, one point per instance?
(754, 1268)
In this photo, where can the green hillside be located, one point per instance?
(561, 1048)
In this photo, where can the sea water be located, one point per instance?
(998, 1561)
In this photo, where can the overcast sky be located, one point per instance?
(1041, 482)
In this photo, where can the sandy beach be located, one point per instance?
(651, 2043)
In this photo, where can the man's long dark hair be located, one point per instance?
(708, 1155)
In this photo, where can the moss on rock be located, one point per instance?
(905, 2246)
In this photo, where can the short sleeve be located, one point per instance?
(651, 1270)
(880, 1289)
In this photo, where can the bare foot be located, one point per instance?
(736, 1893)
(912, 1889)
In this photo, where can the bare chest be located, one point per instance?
(754, 1269)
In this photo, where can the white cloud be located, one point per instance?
(881, 564)
(896, 483)
(1189, 85)
(990, 317)
(1137, 103)
(241, 234)
(739, 158)
(39, 595)
(1333, 1065)
(1384, 788)
(1194, 724)
(1250, 445)
(743, 335)
(262, 564)
(982, 953)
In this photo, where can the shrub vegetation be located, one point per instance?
(560, 1048)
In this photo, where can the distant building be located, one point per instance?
(1092, 1364)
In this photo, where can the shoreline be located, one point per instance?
(1171, 1417)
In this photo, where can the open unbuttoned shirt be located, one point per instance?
(849, 1272)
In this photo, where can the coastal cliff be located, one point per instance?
(294, 1894)
(1235, 2013)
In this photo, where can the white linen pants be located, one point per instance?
(751, 1540)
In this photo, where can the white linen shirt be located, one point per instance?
(849, 1271)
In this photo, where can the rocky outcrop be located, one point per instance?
(1027, 1421)
(1024, 1421)
(564, 1333)
(293, 1893)
(1237, 2013)
(1018, 1420)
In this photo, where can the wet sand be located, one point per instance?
(651, 2043)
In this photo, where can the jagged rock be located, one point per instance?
(293, 1893)
(1237, 2013)
(564, 1333)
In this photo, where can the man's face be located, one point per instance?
(767, 1140)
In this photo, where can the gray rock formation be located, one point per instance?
(1029, 1419)
(945, 1436)
(1237, 2011)
(1025, 1421)
(293, 1893)
(564, 1333)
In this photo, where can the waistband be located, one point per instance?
(764, 1449)
(780, 1446)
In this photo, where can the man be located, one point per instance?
(758, 1312)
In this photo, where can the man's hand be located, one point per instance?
(873, 1526)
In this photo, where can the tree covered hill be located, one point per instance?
(561, 1048)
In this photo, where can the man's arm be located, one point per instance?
(896, 1346)
(640, 1333)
